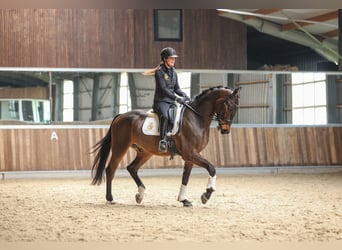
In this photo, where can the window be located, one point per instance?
(168, 25)
(309, 98)
(41, 111)
(68, 101)
(184, 79)
(125, 95)
(9, 110)
(25, 110)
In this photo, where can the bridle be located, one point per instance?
(232, 108)
(215, 117)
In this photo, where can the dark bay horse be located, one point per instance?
(217, 103)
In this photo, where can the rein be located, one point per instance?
(193, 110)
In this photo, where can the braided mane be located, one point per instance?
(207, 91)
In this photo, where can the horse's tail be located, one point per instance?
(103, 150)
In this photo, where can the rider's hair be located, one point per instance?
(152, 71)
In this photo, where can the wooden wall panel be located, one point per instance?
(29, 149)
(33, 149)
(116, 38)
(213, 42)
(25, 93)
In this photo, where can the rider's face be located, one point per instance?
(170, 62)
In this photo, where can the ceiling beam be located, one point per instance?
(326, 48)
(320, 18)
(262, 12)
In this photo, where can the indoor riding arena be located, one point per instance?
(278, 170)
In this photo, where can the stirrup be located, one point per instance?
(162, 146)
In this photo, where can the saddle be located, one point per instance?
(151, 123)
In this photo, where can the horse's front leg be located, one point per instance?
(183, 189)
(211, 186)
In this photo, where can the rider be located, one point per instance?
(167, 92)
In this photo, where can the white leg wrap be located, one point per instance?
(212, 182)
(182, 193)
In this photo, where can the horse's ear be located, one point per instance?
(236, 91)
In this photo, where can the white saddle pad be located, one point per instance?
(151, 123)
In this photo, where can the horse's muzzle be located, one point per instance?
(224, 129)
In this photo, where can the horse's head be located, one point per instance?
(226, 108)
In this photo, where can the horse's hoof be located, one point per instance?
(204, 198)
(186, 203)
(113, 202)
(138, 198)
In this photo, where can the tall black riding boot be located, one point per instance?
(163, 143)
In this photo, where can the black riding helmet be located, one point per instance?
(167, 52)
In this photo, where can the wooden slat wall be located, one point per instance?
(116, 38)
(32, 149)
(272, 146)
(25, 93)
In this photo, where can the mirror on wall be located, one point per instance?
(80, 95)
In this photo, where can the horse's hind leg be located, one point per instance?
(116, 157)
(110, 172)
(183, 189)
(133, 168)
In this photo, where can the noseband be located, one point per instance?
(223, 121)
